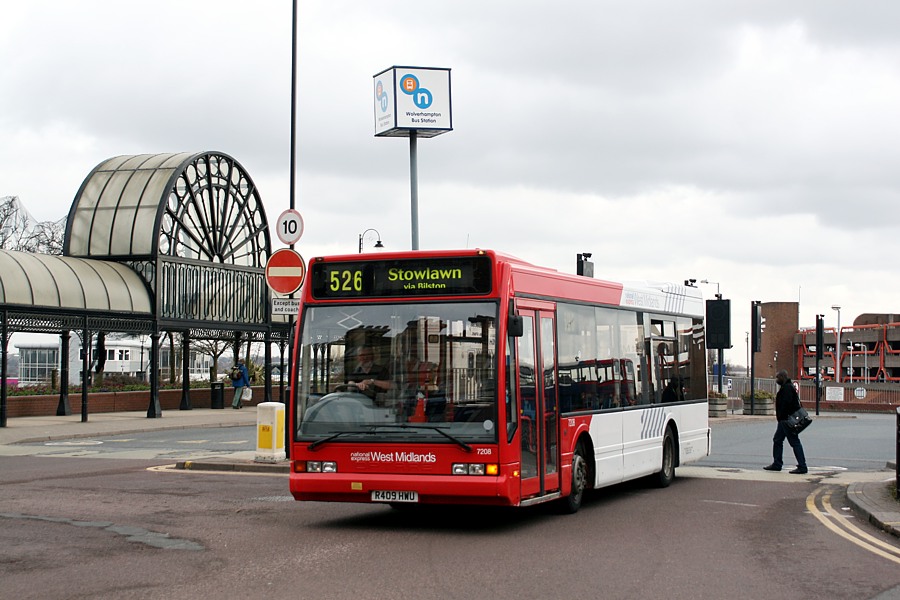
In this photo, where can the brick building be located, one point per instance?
(781, 322)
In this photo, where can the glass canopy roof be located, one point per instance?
(64, 282)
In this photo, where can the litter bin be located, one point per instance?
(217, 394)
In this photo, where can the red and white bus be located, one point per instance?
(484, 381)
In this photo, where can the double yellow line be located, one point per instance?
(839, 524)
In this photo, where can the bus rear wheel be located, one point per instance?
(572, 502)
(667, 472)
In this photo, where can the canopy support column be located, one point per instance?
(86, 347)
(4, 340)
(154, 411)
(185, 371)
(63, 409)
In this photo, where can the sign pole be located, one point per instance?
(291, 192)
(722, 349)
(820, 346)
(755, 332)
(414, 187)
(293, 105)
(409, 101)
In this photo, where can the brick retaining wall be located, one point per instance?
(862, 407)
(104, 402)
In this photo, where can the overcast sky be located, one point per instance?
(750, 143)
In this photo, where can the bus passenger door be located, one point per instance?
(539, 403)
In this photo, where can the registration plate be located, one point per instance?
(394, 496)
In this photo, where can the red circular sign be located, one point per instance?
(284, 271)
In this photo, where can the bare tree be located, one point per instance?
(15, 224)
(50, 237)
(215, 349)
(173, 374)
(20, 231)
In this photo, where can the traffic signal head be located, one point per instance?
(820, 336)
(757, 325)
(718, 324)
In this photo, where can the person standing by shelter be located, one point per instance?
(786, 402)
(240, 379)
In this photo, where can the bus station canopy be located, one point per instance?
(68, 283)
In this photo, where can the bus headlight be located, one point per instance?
(474, 469)
(315, 466)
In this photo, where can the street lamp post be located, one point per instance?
(865, 352)
(866, 362)
(142, 359)
(718, 295)
(837, 346)
(378, 243)
(747, 343)
(850, 348)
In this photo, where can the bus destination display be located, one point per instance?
(470, 275)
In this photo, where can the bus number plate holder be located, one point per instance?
(394, 496)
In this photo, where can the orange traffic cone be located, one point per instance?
(419, 415)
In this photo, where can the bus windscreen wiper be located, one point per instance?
(453, 439)
(338, 434)
(371, 431)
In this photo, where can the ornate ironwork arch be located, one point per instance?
(213, 213)
(192, 225)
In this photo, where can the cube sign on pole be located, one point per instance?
(284, 271)
(412, 99)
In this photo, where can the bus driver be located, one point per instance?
(369, 377)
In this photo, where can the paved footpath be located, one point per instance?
(38, 429)
(874, 499)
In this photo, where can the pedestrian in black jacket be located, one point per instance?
(786, 402)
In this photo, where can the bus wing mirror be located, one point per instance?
(514, 326)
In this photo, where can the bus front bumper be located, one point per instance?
(499, 490)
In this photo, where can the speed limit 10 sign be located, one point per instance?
(290, 226)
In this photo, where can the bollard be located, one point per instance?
(897, 464)
(270, 432)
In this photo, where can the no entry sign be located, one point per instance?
(285, 271)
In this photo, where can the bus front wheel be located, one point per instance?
(667, 471)
(572, 502)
